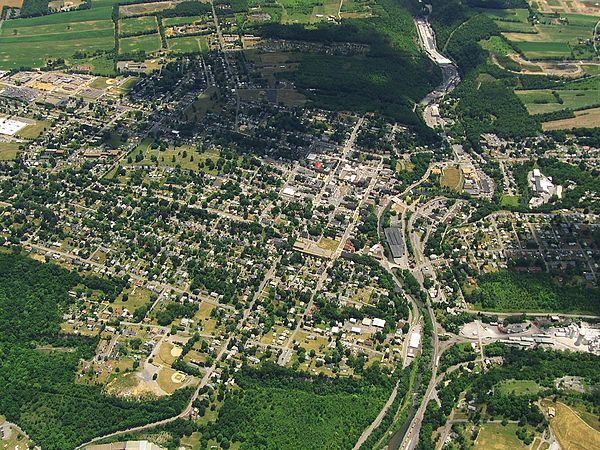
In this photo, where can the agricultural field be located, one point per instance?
(148, 43)
(139, 9)
(191, 44)
(137, 25)
(545, 101)
(177, 21)
(567, 36)
(495, 436)
(588, 118)
(11, 3)
(31, 42)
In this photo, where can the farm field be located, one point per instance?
(137, 25)
(11, 3)
(544, 100)
(191, 44)
(587, 118)
(148, 43)
(31, 42)
(145, 8)
(176, 21)
(572, 432)
(551, 37)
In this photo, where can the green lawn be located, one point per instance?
(509, 200)
(518, 387)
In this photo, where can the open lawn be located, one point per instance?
(191, 44)
(572, 432)
(328, 244)
(518, 387)
(509, 200)
(494, 436)
(148, 43)
(136, 297)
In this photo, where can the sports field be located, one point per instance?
(31, 42)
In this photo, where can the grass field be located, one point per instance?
(494, 436)
(11, 3)
(137, 25)
(509, 200)
(176, 21)
(31, 42)
(137, 296)
(452, 178)
(34, 130)
(8, 151)
(145, 8)
(328, 244)
(149, 43)
(191, 44)
(518, 387)
(572, 432)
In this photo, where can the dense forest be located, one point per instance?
(388, 79)
(513, 291)
(278, 408)
(38, 388)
